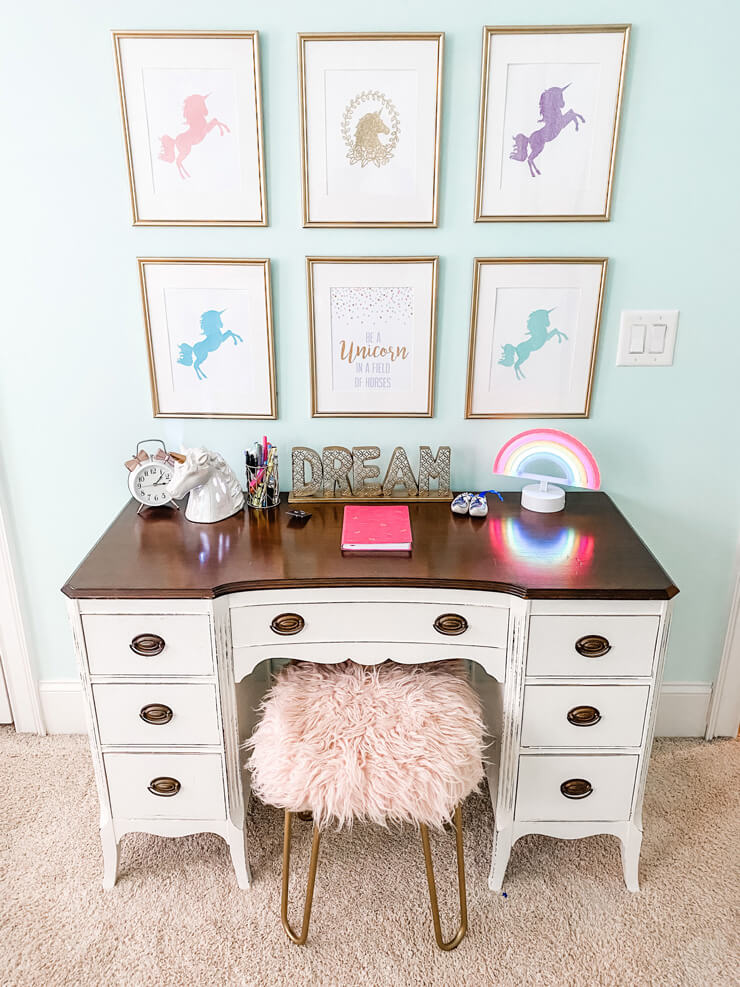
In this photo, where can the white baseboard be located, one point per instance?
(62, 706)
(682, 709)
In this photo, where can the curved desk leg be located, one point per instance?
(499, 857)
(110, 855)
(237, 840)
(630, 846)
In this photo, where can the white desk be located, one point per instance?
(563, 618)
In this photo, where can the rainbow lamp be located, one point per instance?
(567, 461)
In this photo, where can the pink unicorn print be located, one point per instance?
(194, 112)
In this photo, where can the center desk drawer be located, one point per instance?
(148, 644)
(170, 786)
(154, 714)
(592, 645)
(420, 623)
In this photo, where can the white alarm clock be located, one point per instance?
(149, 475)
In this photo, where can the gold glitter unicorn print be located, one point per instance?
(367, 118)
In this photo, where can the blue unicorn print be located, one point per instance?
(210, 326)
(537, 326)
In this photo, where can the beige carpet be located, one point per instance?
(177, 917)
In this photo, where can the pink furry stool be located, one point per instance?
(387, 743)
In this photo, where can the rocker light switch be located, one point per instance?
(656, 337)
(637, 338)
(647, 338)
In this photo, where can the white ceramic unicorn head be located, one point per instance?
(215, 493)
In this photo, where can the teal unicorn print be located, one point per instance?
(210, 326)
(537, 330)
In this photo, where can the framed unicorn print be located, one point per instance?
(209, 337)
(372, 326)
(370, 126)
(549, 117)
(534, 327)
(192, 120)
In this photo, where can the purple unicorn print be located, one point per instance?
(551, 106)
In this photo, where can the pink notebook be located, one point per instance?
(369, 528)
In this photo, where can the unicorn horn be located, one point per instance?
(562, 88)
(548, 310)
(223, 310)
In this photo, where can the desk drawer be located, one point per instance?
(197, 781)
(592, 645)
(410, 623)
(584, 715)
(157, 715)
(148, 644)
(600, 787)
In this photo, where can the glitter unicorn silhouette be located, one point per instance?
(367, 148)
(537, 326)
(210, 326)
(551, 106)
(194, 112)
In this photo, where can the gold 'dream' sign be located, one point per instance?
(341, 474)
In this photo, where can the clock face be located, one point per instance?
(149, 484)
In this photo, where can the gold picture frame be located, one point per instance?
(119, 38)
(305, 39)
(264, 263)
(312, 263)
(480, 215)
(589, 347)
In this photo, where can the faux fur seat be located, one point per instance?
(388, 743)
(385, 743)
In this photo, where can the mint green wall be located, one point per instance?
(74, 394)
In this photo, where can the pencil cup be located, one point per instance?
(263, 485)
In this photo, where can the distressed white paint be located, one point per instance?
(210, 799)
(212, 675)
(682, 706)
(622, 710)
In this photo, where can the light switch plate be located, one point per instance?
(651, 323)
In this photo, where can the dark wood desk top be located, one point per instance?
(587, 551)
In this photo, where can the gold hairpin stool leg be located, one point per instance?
(299, 940)
(461, 932)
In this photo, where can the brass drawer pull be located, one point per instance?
(583, 716)
(451, 624)
(576, 788)
(286, 624)
(166, 787)
(155, 713)
(592, 646)
(147, 645)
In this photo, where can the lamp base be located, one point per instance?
(549, 500)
